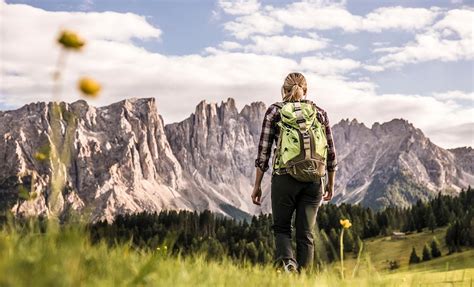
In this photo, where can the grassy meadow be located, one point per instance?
(384, 249)
(66, 257)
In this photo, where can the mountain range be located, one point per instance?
(124, 159)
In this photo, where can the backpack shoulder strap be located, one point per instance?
(312, 104)
(315, 107)
(279, 104)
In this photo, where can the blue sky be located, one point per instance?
(370, 60)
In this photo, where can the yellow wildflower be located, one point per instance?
(23, 192)
(33, 195)
(39, 156)
(345, 223)
(70, 40)
(89, 87)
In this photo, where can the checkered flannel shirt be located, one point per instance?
(270, 132)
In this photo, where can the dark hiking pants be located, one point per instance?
(289, 195)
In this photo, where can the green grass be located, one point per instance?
(383, 249)
(67, 258)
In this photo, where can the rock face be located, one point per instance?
(217, 147)
(395, 164)
(124, 160)
(120, 160)
(464, 157)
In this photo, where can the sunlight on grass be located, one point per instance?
(64, 256)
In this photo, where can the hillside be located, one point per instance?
(380, 250)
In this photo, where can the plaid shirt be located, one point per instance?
(270, 132)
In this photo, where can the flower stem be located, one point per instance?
(342, 253)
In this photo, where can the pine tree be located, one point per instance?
(431, 220)
(441, 211)
(435, 252)
(426, 253)
(252, 252)
(414, 258)
(453, 235)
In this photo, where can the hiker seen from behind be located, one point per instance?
(303, 170)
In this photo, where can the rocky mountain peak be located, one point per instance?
(253, 114)
(145, 107)
(120, 162)
(125, 160)
(210, 112)
(395, 126)
(354, 123)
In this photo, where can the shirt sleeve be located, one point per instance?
(267, 137)
(331, 161)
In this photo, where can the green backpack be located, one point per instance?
(302, 145)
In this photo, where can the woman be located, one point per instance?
(289, 195)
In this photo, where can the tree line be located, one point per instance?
(187, 232)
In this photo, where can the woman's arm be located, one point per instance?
(267, 136)
(331, 161)
(257, 190)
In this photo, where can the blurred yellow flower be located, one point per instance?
(70, 40)
(39, 156)
(345, 223)
(89, 87)
(23, 192)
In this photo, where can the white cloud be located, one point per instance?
(244, 26)
(455, 95)
(454, 135)
(273, 45)
(437, 43)
(387, 49)
(239, 7)
(378, 44)
(126, 70)
(325, 15)
(374, 68)
(400, 18)
(280, 45)
(328, 66)
(131, 25)
(230, 45)
(459, 21)
(350, 47)
(312, 15)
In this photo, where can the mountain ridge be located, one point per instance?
(125, 159)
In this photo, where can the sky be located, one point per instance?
(371, 60)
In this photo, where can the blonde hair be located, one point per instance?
(294, 88)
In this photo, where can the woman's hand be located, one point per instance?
(257, 195)
(328, 192)
(329, 188)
